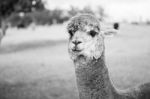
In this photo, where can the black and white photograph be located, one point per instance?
(74, 49)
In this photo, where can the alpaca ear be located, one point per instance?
(109, 32)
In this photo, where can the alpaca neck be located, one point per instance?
(93, 80)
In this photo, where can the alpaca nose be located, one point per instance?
(76, 42)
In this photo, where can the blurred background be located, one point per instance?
(34, 60)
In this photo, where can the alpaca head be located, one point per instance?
(86, 40)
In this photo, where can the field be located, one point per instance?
(34, 62)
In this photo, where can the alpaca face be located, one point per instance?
(85, 40)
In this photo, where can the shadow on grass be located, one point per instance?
(45, 89)
(29, 45)
(19, 91)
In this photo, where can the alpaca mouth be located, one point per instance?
(76, 50)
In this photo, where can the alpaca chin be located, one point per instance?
(80, 58)
(85, 58)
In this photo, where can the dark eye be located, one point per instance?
(70, 33)
(92, 33)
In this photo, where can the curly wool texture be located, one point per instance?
(80, 23)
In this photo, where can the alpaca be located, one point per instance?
(86, 49)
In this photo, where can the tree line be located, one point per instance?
(24, 12)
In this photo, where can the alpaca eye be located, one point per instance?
(70, 33)
(92, 33)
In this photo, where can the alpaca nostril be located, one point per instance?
(76, 42)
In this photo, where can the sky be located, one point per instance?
(118, 10)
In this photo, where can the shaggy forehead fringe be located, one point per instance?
(80, 21)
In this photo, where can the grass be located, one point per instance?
(34, 66)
